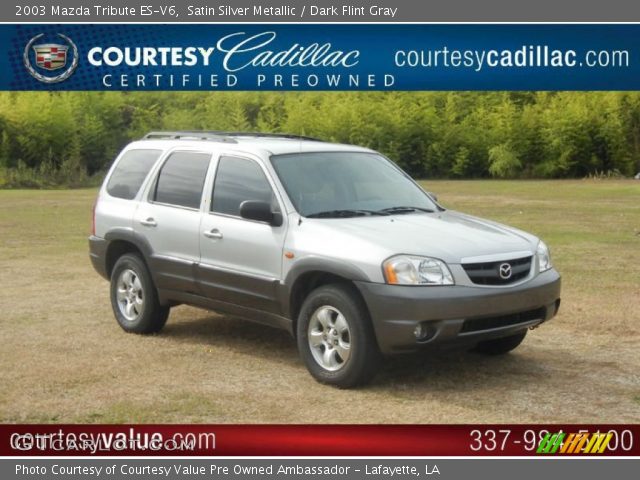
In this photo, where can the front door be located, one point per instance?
(241, 260)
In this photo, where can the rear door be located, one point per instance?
(170, 218)
(117, 205)
(241, 260)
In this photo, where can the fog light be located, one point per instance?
(421, 331)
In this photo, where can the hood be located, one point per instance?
(449, 236)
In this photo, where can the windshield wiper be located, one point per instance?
(346, 213)
(403, 209)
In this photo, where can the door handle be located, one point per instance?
(215, 233)
(149, 222)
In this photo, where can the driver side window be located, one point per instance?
(238, 180)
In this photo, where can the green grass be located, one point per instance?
(64, 359)
(45, 222)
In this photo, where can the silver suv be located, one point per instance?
(333, 243)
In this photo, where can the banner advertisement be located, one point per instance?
(333, 57)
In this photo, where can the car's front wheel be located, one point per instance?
(134, 299)
(500, 346)
(335, 337)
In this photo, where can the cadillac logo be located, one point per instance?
(505, 271)
(50, 57)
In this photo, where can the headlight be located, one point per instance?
(544, 257)
(409, 270)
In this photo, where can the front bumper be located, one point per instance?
(457, 314)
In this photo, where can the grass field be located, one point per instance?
(64, 359)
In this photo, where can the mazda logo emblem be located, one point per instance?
(505, 271)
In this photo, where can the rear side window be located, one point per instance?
(181, 179)
(130, 172)
(237, 180)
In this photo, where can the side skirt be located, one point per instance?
(258, 316)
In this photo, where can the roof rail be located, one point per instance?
(221, 136)
(189, 135)
(270, 135)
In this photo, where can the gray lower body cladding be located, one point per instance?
(97, 254)
(457, 314)
(451, 314)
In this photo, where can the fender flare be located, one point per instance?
(131, 236)
(317, 264)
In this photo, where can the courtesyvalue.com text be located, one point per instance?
(112, 442)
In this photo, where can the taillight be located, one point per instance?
(93, 218)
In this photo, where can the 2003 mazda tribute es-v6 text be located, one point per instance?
(332, 242)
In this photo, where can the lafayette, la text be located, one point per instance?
(213, 470)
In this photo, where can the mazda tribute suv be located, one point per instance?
(333, 243)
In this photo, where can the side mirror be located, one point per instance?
(434, 196)
(260, 212)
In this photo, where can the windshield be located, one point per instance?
(339, 184)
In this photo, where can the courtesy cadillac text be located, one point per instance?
(238, 50)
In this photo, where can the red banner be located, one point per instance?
(319, 440)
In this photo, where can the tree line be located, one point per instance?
(70, 138)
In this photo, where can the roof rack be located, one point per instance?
(189, 135)
(270, 135)
(220, 136)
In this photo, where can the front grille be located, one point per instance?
(489, 273)
(488, 323)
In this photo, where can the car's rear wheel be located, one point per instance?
(500, 346)
(335, 337)
(134, 299)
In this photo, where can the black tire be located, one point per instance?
(364, 355)
(152, 316)
(500, 346)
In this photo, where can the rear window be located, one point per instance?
(130, 172)
(181, 179)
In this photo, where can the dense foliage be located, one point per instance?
(49, 139)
